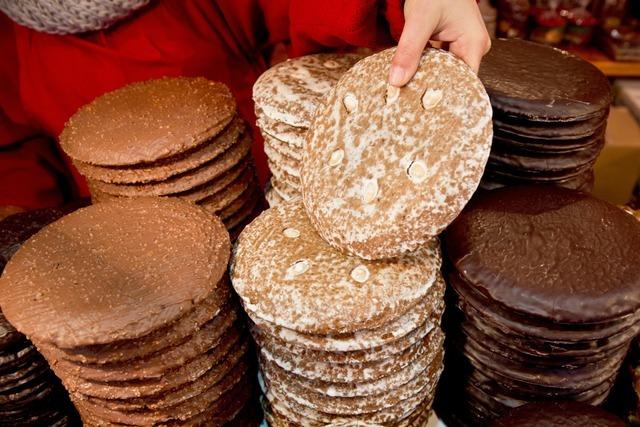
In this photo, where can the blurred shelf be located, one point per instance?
(607, 65)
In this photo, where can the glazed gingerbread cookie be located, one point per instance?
(386, 169)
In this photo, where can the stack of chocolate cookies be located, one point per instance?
(129, 302)
(341, 339)
(545, 300)
(30, 394)
(550, 111)
(286, 97)
(178, 137)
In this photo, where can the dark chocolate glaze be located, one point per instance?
(549, 130)
(543, 83)
(558, 414)
(549, 252)
(554, 129)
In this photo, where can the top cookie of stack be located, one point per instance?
(166, 137)
(550, 113)
(286, 97)
(386, 169)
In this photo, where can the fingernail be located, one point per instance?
(396, 75)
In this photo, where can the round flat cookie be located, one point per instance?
(372, 354)
(201, 398)
(366, 371)
(562, 163)
(218, 184)
(291, 91)
(159, 339)
(172, 166)
(286, 163)
(565, 131)
(386, 169)
(248, 209)
(284, 178)
(181, 376)
(156, 365)
(354, 405)
(226, 197)
(570, 239)
(335, 387)
(148, 121)
(491, 315)
(558, 414)
(248, 199)
(236, 366)
(272, 196)
(184, 182)
(87, 279)
(527, 79)
(286, 274)
(282, 147)
(496, 179)
(298, 412)
(291, 135)
(284, 190)
(427, 311)
(516, 144)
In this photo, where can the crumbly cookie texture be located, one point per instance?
(385, 169)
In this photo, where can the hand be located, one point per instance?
(457, 22)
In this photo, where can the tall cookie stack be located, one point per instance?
(286, 97)
(545, 301)
(550, 113)
(177, 137)
(134, 314)
(30, 394)
(341, 339)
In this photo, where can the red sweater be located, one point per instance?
(45, 78)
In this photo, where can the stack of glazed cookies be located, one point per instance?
(134, 315)
(177, 137)
(550, 113)
(343, 287)
(30, 394)
(286, 97)
(341, 339)
(544, 300)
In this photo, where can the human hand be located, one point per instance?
(456, 22)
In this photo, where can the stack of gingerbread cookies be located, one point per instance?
(544, 304)
(135, 315)
(286, 97)
(30, 394)
(341, 339)
(343, 286)
(550, 113)
(177, 137)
